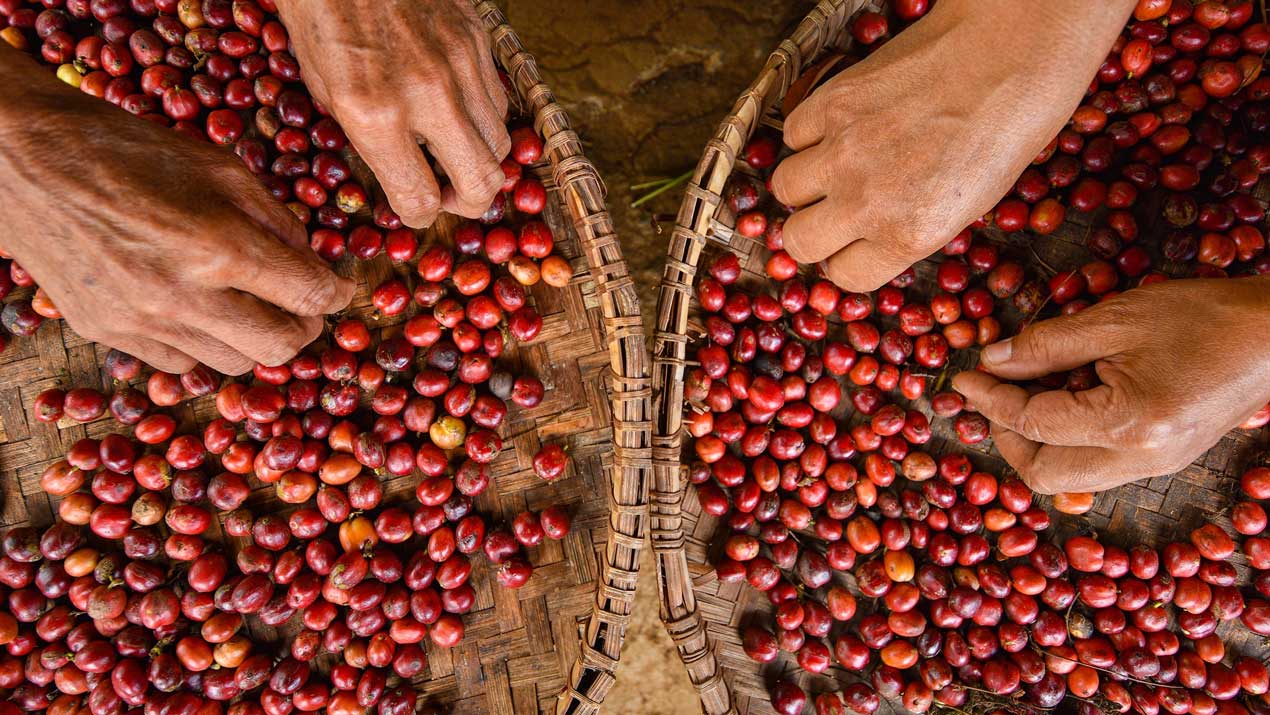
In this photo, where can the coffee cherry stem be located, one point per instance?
(1108, 671)
(663, 186)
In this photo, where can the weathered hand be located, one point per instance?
(896, 155)
(149, 242)
(397, 73)
(1181, 363)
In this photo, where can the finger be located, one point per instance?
(249, 196)
(490, 80)
(403, 172)
(260, 331)
(805, 125)
(277, 219)
(487, 70)
(294, 280)
(207, 350)
(816, 232)
(799, 180)
(1057, 344)
(488, 120)
(495, 89)
(475, 175)
(483, 108)
(865, 265)
(1049, 469)
(1058, 417)
(154, 353)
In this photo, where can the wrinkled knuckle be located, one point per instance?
(167, 360)
(780, 184)
(1039, 480)
(280, 351)
(799, 251)
(1139, 441)
(217, 268)
(796, 122)
(146, 307)
(798, 241)
(502, 143)
(365, 114)
(1039, 341)
(315, 300)
(501, 103)
(443, 91)
(355, 97)
(1028, 425)
(861, 281)
(866, 284)
(488, 186)
(469, 209)
(235, 365)
(1120, 311)
(417, 209)
(175, 364)
(1152, 436)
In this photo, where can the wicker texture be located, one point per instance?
(701, 220)
(704, 616)
(553, 645)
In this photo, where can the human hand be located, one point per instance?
(1181, 363)
(163, 247)
(899, 153)
(397, 73)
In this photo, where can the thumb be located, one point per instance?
(399, 165)
(1054, 345)
(1057, 417)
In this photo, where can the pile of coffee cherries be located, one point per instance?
(352, 571)
(173, 545)
(931, 583)
(222, 71)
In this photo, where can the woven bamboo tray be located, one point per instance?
(553, 645)
(704, 616)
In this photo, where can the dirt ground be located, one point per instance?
(646, 83)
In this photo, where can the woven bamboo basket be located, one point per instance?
(553, 645)
(705, 616)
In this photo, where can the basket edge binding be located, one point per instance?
(696, 225)
(593, 674)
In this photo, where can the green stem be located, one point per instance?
(650, 184)
(666, 186)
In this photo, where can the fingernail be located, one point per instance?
(998, 352)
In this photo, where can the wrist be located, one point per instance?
(1245, 312)
(1047, 47)
(28, 96)
(15, 91)
(1261, 299)
(287, 9)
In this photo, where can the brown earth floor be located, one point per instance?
(646, 82)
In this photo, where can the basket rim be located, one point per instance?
(629, 388)
(695, 225)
